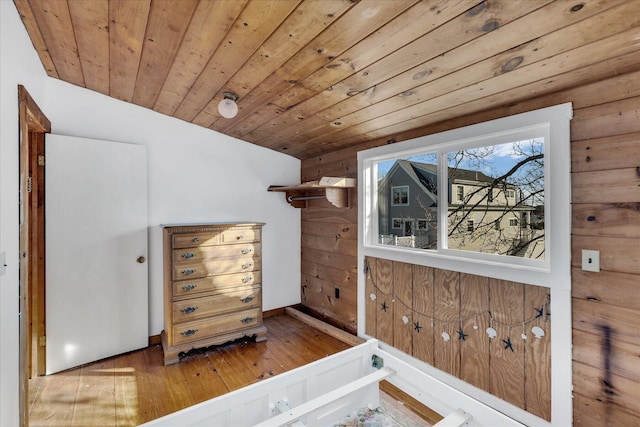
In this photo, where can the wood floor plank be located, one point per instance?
(136, 387)
(96, 392)
(56, 399)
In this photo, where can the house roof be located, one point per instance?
(317, 76)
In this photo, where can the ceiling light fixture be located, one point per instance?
(228, 107)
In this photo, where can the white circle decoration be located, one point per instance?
(446, 337)
(523, 336)
(538, 332)
(475, 327)
(492, 332)
(373, 297)
(405, 319)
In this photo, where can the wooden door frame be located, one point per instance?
(33, 124)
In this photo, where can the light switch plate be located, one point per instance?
(590, 260)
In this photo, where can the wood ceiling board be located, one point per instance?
(30, 23)
(448, 72)
(166, 26)
(327, 105)
(209, 26)
(351, 72)
(127, 24)
(254, 25)
(354, 25)
(291, 36)
(546, 68)
(54, 23)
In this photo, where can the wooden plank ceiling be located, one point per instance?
(314, 76)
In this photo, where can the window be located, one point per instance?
(474, 190)
(470, 225)
(400, 195)
(503, 154)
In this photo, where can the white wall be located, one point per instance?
(195, 175)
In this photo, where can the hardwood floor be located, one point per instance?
(136, 387)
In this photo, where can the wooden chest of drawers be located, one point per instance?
(212, 285)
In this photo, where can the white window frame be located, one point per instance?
(553, 272)
(399, 187)
(393, 224)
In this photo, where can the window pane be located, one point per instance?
(498, 205)
(407, 189)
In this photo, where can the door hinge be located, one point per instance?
(29, 184)
(42, 341)
(41, 160)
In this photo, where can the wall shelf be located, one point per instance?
(334, 189)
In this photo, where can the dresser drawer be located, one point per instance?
(196, 308)
(223, 251)
(193, 331)
(241, 235)
(190, 240)
(210, 267)
(214, 283)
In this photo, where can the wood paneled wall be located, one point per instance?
(412, 308)
(605, 133)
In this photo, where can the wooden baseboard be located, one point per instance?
(155, 340)
(324, 327)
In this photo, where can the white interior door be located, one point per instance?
(96, 232)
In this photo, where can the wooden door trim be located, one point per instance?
(33, 124)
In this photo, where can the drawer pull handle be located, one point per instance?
(188, 271)
(246, 265)
(247, 299)
(248, 319)
(246, 251)
(188, 310)
(188, 287)
(239, 237)
(196, 240)
(188, 332)
(188, 255)
(246, 279)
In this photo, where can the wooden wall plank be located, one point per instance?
(611, 389)
(507, 349)
(616, 254)
(30, 23)
(474, 349)
(608, 186)
(402, 306)
(447, 314)
(603, 120)
(608, 152)
(596, 412)
(606, 287)
(611, 219)
(384, 316)
(537, 354)
(604, 351)
(423, 303)
(597, 318)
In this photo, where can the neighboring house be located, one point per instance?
(485, 215)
